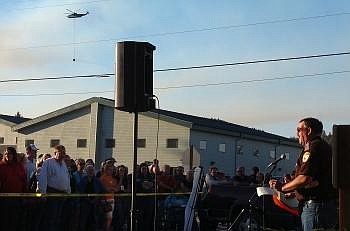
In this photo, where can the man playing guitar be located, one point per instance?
(312, 184)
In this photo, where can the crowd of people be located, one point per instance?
(214, 177)
(59, 174)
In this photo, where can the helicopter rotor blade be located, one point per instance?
(70, 11)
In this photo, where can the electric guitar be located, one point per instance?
(288, 204)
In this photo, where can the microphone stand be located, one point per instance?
(269, 174)
(265, 183)
(242, 211)
(267, 178)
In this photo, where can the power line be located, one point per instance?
(62, 4)
(253, 62)
(182, 68)
(194, 85)
(56, 78)
(254, 80)
(57, 94)
(182, 32)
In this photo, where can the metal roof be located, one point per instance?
(13, 119)
(64, 110)
(194, 122)
(217, 124)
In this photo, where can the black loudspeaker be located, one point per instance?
(341, 156)
(134, 76)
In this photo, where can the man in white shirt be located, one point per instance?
(212, 179)
(54, 176)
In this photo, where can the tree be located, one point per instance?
(328, 138)
(295, 139)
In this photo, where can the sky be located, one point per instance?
(37, 40)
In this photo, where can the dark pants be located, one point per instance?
(11, 214)
(70, 214)
(88, 217)
(53, 214)
(121, 213)
(145, 217)
(33, 210)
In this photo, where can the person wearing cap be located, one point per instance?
(31, 206)
(110, 161)
(31, 151)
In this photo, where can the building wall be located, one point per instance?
(267, 153)
(148, 130)
(104, 130)
(7, 134)
(91, 122)
(251, 153)
(97, 123)
(9, 137)
(67, 128)
(223, 160)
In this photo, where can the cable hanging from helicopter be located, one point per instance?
(74, 15)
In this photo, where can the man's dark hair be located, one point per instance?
(315, 125)
(255, 169)
(13, 151)
(60, 147)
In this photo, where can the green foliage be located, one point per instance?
(328, 138)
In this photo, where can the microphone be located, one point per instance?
(282, 157)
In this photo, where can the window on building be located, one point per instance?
(2, 140)
(203, 145)
(54, 143)
(239, 149)
(110, 143)
(172, 143)
(222, 147)
(273, 154)
(141, 143)
(81, 143)
(256, 153)
(27, 142)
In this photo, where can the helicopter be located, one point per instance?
(72, 14)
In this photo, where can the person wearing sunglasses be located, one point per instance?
(313, 178)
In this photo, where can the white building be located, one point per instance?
(7, 137)
(94, 129)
